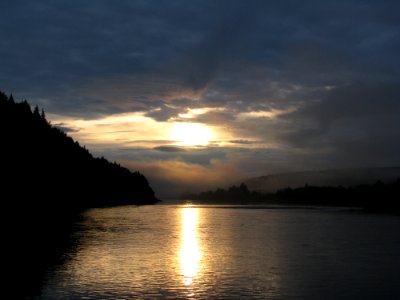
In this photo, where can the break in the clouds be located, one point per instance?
(253, 87)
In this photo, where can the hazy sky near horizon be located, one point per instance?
(197, 94)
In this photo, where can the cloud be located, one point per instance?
(164, 113)
(358, 111)
(314, 83)
(99, 56)
(65, 128)
(169, 149)
(243, 142)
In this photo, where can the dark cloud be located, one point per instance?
(53, 50)
(169, 149)
(355, 125)
(164, 112)
(216, 117)
(358, 110)
(243, 142)
(355, 100)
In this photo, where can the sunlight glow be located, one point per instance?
(190, 254)
(195, 112)
(191, 134)
(118, 130)
(136, 130)
(269, 114)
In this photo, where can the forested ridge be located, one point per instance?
(47, 180)
(43, 167)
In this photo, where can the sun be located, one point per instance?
(191, 134)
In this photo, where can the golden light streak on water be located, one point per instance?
(190, 252)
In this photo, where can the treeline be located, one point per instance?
(375, 197)
(234, 194)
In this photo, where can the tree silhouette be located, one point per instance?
(41, 162)
(379, 197)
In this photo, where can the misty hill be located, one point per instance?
(340, 177)
(42, 166)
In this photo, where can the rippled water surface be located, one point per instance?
(179, 252)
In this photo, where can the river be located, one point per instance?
(229, 252)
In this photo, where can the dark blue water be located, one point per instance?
(178, 252)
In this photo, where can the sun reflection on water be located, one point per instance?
(190, 253)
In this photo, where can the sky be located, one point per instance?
(200, 94)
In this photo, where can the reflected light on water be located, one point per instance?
(190, 253)
(175, 252)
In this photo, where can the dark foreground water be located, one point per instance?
(178, 252)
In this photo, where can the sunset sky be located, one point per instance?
(199, 94)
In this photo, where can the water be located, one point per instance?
(178, 252)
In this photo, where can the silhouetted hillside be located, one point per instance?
(41, 162)
(46, 180)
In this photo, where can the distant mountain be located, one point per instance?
(43, 167)
(339, 177)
